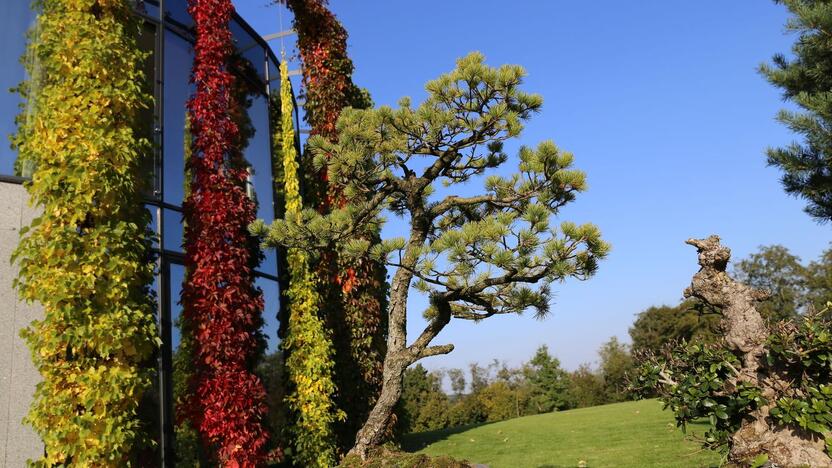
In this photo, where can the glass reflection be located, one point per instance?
(249, 48)
(271, 299)
(17, 19)
(177, 11)
(178, 61)
(154, 226)
(150, 187)
(149, 8)
(188, 450)
(174, 234)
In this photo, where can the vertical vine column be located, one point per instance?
(309, 354)
(357, 298)
(87, 259)
(221, 304)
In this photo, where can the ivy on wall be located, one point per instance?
(307, 346)
(86, 259)
(221, 304)
(355, 304)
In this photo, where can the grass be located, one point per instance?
(632, 434)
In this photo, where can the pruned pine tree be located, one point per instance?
(474, 257)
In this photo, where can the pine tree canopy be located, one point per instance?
(806, 80)
(477, 254)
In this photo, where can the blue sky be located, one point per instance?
(663, 108)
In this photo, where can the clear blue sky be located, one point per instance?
(661, 103)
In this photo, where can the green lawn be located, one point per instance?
(632, 434)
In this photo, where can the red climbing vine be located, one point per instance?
(227, 400)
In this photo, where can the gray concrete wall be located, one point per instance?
(17, 375)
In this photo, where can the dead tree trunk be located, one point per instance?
(745, 334)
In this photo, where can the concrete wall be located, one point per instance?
(17, 375)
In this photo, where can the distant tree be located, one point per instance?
(819, 281)
(467, 410)
(499, 400)
(774, 269)
(434, 412)
(659, 325)
(806, 81)
(616, 363)
(458, 384)
(548, 383)
(586, 387)
(423, 406)
(480, 376)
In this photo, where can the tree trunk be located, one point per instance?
(746, 334)
(373, 431)
(397, 358)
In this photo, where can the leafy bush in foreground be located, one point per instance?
(766, 391)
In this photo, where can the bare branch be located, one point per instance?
(666, 379)
(435, 351)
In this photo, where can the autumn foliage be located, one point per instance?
(86, 258)
(355, 305)
(308, 346)
(222, 306)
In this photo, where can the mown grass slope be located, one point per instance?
(632, 434)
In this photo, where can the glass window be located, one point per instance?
(149, 8)
(147, 117)
(249, 48)
(178, 89)
(271, 299)
(154, 224)
(258, 155)
(17, 17)
(177, 278)
(274, 75)
(177, 11)
(174, 230)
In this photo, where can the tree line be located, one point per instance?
(496, 391)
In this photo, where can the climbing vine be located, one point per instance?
(355, 305)
(307, 344)
(221, 304)
(86, 259)
(188, 450)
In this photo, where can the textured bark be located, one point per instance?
(399, 356)
(745, 334)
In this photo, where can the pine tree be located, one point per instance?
(806, 80)
(475, 257)
(549, 382)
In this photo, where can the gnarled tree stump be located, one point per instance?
(745, 334)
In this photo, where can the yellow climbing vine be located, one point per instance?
(308, 347)
(86, 259)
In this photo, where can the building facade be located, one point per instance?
(167, 35)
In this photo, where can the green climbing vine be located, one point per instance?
(86, 259)
(308, 346)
